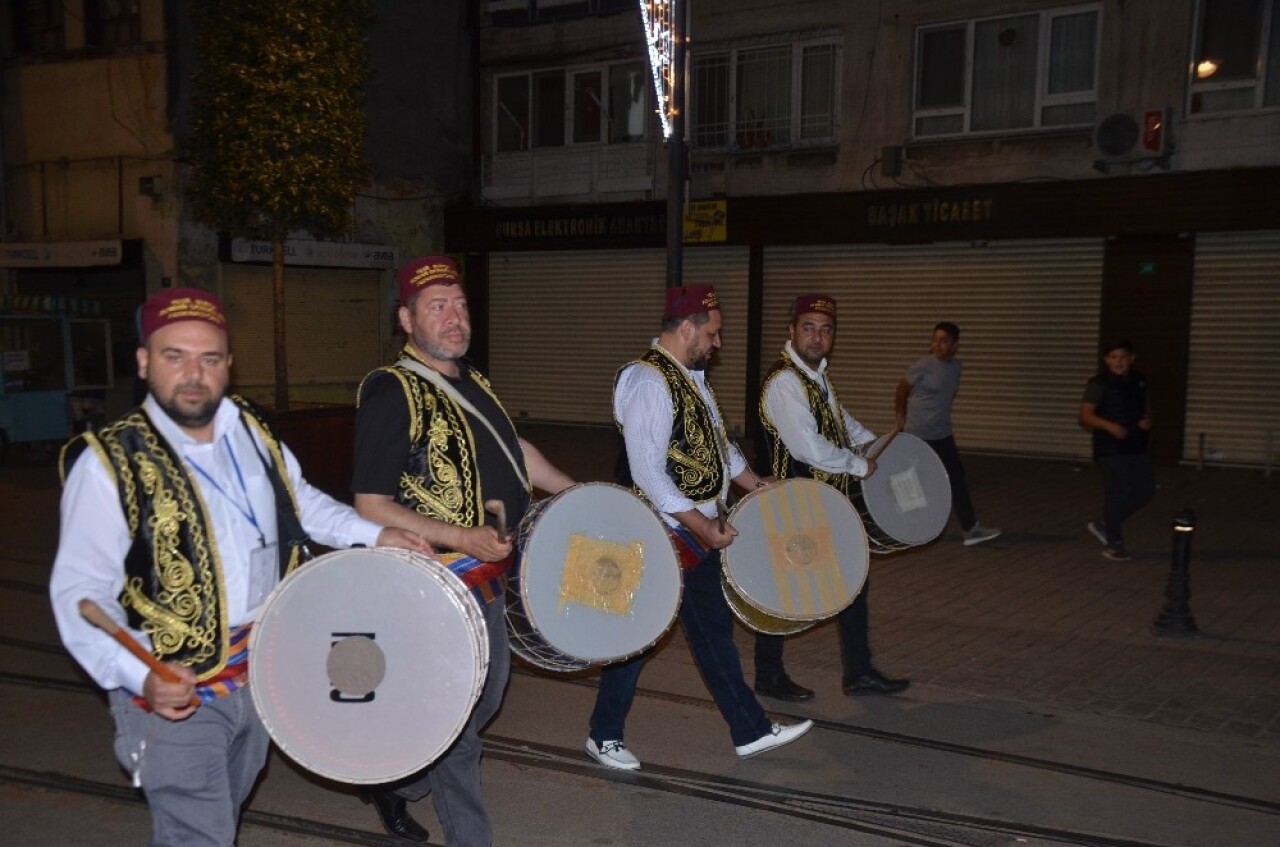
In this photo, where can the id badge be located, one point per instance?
(264, 569)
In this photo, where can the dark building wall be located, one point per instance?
(420, 96)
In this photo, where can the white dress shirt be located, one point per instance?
(642, 404)
(788, 407)
(94, 536)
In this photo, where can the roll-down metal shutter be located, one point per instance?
(331, 327)
(562, 323)
(1028, 318)
(1233, 384)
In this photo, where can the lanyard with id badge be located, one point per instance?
(264, 558)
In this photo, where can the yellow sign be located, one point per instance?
(705, 221)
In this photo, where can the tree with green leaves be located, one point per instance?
(278, 126)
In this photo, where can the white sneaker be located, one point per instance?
(613, 754)
(1097, 531)
(978, 533)
(777, 736)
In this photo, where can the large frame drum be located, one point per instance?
(365, 664)
(907, 501)
(596, 581)
(800, 556)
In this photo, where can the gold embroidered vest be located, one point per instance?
(830, 426)
(174, 589)
(695, 461)
(441, 477)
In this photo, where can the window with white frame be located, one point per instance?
(1020, 72)
(756, 97)
(567, 106)
(1235, 63)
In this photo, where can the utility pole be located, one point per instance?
(677, 163)
(666, 25)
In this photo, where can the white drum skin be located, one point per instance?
(364, 665)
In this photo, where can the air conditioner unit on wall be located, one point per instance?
(1132, 136)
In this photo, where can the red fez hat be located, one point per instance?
(172, 305)
(689, 300)
(820, 303)
(425, 272)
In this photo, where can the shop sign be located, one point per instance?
(931, 212)
(60, 254)
(333, 254)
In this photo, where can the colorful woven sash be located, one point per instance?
(485, 579)
(234, 675)
(689, 547)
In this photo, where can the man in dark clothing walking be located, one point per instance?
(1116, 411)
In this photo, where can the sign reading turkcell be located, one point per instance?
(317, 253)
(60, 254)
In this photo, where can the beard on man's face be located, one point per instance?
(190, 416)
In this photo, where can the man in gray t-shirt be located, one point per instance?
(923, 403)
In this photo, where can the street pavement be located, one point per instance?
(1043, 710)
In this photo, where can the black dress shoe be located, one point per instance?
(395, 817)
(874, 682)
(782, 688)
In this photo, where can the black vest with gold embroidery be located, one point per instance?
(441, 477)
(830, 426)
(695, 461)
(174, 589)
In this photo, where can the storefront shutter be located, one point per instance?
(332, 330)
(562, 323)
(1233, 384)
(1027, 311)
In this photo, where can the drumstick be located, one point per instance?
(884, 445)
(93, 613)
(722, 514)
(499, 512)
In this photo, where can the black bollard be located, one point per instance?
(1175, 619)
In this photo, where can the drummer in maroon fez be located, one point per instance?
(177, 520)
(677, 454)
(437, 454)
(808, 433)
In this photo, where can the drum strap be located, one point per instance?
(440, 382)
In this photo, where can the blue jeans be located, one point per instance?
(453, 780)
(708, 624)
(855, 647)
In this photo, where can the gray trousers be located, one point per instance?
(196, 773)
(454, 779)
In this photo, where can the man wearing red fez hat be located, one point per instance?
(679, 456)
(177, 521)
(437, 454)
(808, 433)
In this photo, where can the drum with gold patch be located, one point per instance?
(596, 579)
(365, 664)
(800, 556)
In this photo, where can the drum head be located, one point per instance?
(365, 664)
(756, 620)
(599, 579)
(801, 551)
(909, 495)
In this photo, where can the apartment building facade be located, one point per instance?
(96, 112)
(1041, 173)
